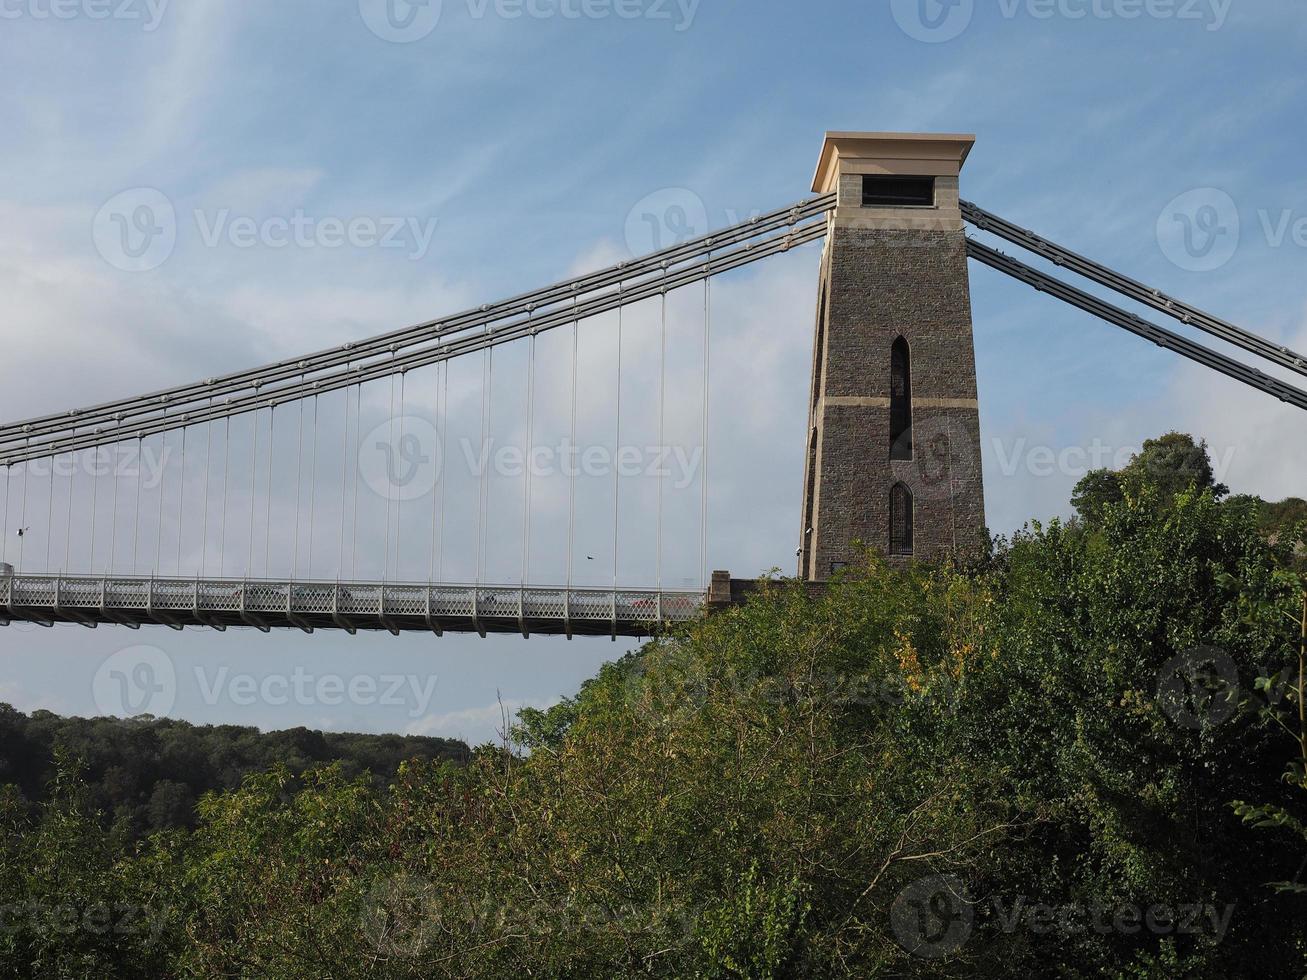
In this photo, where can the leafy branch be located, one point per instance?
(1293, 721)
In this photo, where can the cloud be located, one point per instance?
(183, 80)
(265, 108)
(23, 700)
(261, 190)
(1258, 443)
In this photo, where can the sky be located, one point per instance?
(499, 145)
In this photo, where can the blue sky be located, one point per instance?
(516, 143)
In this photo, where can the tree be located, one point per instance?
(1095, 492)
(1169, 464)
(171, 805)
(1281, 699)
(124, 763)
(1172, 463)
(1025, 768)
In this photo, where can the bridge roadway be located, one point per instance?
(267, 604)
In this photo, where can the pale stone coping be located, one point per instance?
(899, 219)
(945, 403)
(879, 401)
(855, 401)
(940, 154)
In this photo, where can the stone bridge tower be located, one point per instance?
(893, 459)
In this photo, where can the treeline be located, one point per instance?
(1172, 464)
(149, 773)
(1083, 757)
(1283, 515)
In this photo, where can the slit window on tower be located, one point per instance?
(900, 520)
(900, 401)
(884, 191)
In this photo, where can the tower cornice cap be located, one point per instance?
(922, 154)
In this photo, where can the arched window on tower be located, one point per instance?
(900, 520)
(900, 401)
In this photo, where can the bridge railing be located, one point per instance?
(308, 605)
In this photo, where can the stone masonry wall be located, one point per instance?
(881, 283)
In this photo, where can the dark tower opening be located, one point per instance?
(900, 401)
(898, 192)
(900, 520)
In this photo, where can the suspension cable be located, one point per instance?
(299, 483)
(465, 343)
(158, 531)
(487, 378)
(22, 520)
(399, 491)
(703, 462)
(571, 504)
(94, 502)
(113, 522)
(95, 498)
(617, 444)
(1155, 298)
(1137, 325)
(662, 411)
(391, 490)
(254, 474)
(181, 501)
(313, 489)
(437, 488)
(136, 524)
(49, 518)
(789, 216)
(354, 521)
(4, 547)
(530, 455)
(490, 417)
(344, 487)
(68, 517)
(267, 492)
(226, 483)
(204, 526)
(444, 455)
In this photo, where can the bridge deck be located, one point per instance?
(351, 606)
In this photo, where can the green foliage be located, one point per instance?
(1096, 491)
(1165, 466)
(1172, 464)
(148, 773)
(752, 931)
(1023, 770)
(73, 902)
(1284, 516)
(1281, 699)
(1097, 624)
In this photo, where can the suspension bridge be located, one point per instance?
(218, 540)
